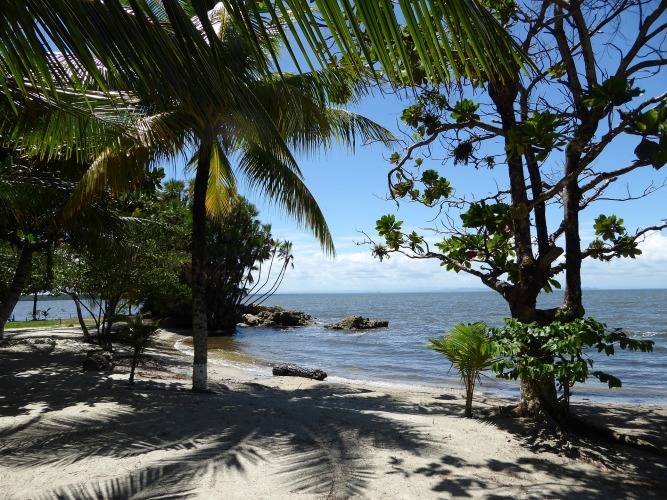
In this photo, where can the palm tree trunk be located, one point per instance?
(135, 360)
(79, 315)
(14, 292)
(199, 327)
(34, 307)
(470, 388)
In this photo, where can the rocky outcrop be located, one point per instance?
(274, 316)
(358, 323)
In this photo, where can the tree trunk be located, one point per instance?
(79, 315)
(199, 327)
(34, 307)
(470, 389)
(135, 360)
(16, 287)
(538, 397)
(111, 305)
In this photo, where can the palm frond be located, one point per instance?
(221, 184)
(156, 39)
(467, 347)
(275, 179)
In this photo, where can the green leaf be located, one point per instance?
(608, 379)
(647, 149)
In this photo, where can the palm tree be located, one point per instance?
(237, 121)
(173, 189)
(468, 348)
(248, 125)
(139, 333)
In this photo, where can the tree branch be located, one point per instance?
(641, 39)
(613, 251)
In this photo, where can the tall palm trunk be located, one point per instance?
(199, 327)
(14, 292)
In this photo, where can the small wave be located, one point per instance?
(184, 348)
(648, 335)
(412, 387)
(257, 370)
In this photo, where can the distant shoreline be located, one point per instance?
(42, 298)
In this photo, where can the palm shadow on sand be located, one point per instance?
(318, 441)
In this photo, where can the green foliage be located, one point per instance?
(491, 242)
(612, 240)
(389, 228)
(493, 218)
(559, 351)
(653, 152)
(43, 323)
(465, 111)
(241, 253)
(608, 228)
(504, 10)
(138, 335)
(614, 91)
(436, 187)
(424, 115)
(537, 135)
(651, 123)
(469, 349)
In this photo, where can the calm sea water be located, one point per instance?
(397, 355)
(47, 308)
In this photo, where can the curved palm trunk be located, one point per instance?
(199, 327)
(79, 315)
(14, 293)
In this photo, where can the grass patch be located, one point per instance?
(45, 323)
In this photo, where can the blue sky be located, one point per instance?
(350, 189)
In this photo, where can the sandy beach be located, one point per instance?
(65, 433)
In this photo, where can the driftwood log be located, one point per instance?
(290, 370)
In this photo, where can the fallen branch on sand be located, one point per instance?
(291, 370)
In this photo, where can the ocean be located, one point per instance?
(397, 355)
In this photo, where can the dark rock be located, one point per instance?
(358, 323)
(274, 316)
(291, 370)
(98, 361)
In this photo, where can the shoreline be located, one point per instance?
(593, 392)
(67, 433)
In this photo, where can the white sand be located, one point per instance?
(69, 434)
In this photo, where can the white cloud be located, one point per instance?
(355, 270)
(648, 270)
